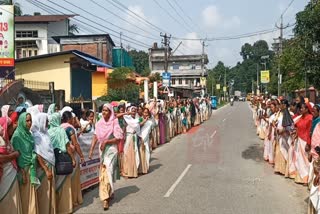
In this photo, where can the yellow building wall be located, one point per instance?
(99, 85)
(53, 69)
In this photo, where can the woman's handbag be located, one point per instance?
(63, 162)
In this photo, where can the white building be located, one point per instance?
(33, 34)
(186, 70)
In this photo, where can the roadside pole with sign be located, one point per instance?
(166, 79)
(7, 42)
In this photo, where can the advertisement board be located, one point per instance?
(203, 81)
(265, 76)
(6, 41)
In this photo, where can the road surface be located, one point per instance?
(217, 167)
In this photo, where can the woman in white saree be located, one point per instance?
(146, 125)
(131, 150)
(46, 159)
(268, 142)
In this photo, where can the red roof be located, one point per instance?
(42, 18)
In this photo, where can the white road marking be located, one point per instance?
(167, 195)
(213, 134)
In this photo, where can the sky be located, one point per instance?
(181, 19)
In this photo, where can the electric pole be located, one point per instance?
(225, 84)
(202, 66)
(279, 49)
(166, 42)
(258, 91)
(121, 55)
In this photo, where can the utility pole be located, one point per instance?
(121, 55)
(202, 66)
(225, 84)
(280, 46)
(166, 42)
(258, 92)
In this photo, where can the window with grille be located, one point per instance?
(173, 81)
(27, 34)
(26, 44)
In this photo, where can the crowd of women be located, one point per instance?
(40, 154)
(291, 137)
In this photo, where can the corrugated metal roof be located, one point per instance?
(42, 18)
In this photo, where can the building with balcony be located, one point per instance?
(33, 34)
(186, 70)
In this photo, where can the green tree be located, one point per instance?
(140, 62)
(244, 73)
(17, 7)
(307, 32)
(120, 86)
(73, 29)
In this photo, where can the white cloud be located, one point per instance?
(212, 19)
(211, 16)
(232, 23)
(191, 46)
(138, 10)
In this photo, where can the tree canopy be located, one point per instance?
(140, 62)
(121, 87)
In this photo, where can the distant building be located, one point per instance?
(33, 34)
(186, 70)
(97, 45)
(70, 71)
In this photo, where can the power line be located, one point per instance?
(186, 14)
(179, 15)
(137, 17)
(31, 24)
(169, 14)
(87, 24)
(99, 5)
(54, 11)
(111, 22)
(121, 6)
(287, 7)
(234, 37)
(129, 38)
(183, 10)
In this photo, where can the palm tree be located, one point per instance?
(73, 28)
(17, 7)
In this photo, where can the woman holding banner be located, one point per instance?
(108, 133)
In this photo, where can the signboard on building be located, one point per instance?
(203, 81)
(224, 88)
(166, 78)
(218, 86)
(6, 40)
(265, 77)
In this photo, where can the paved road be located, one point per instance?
(216, 168)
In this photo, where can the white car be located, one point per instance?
(242, 99)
